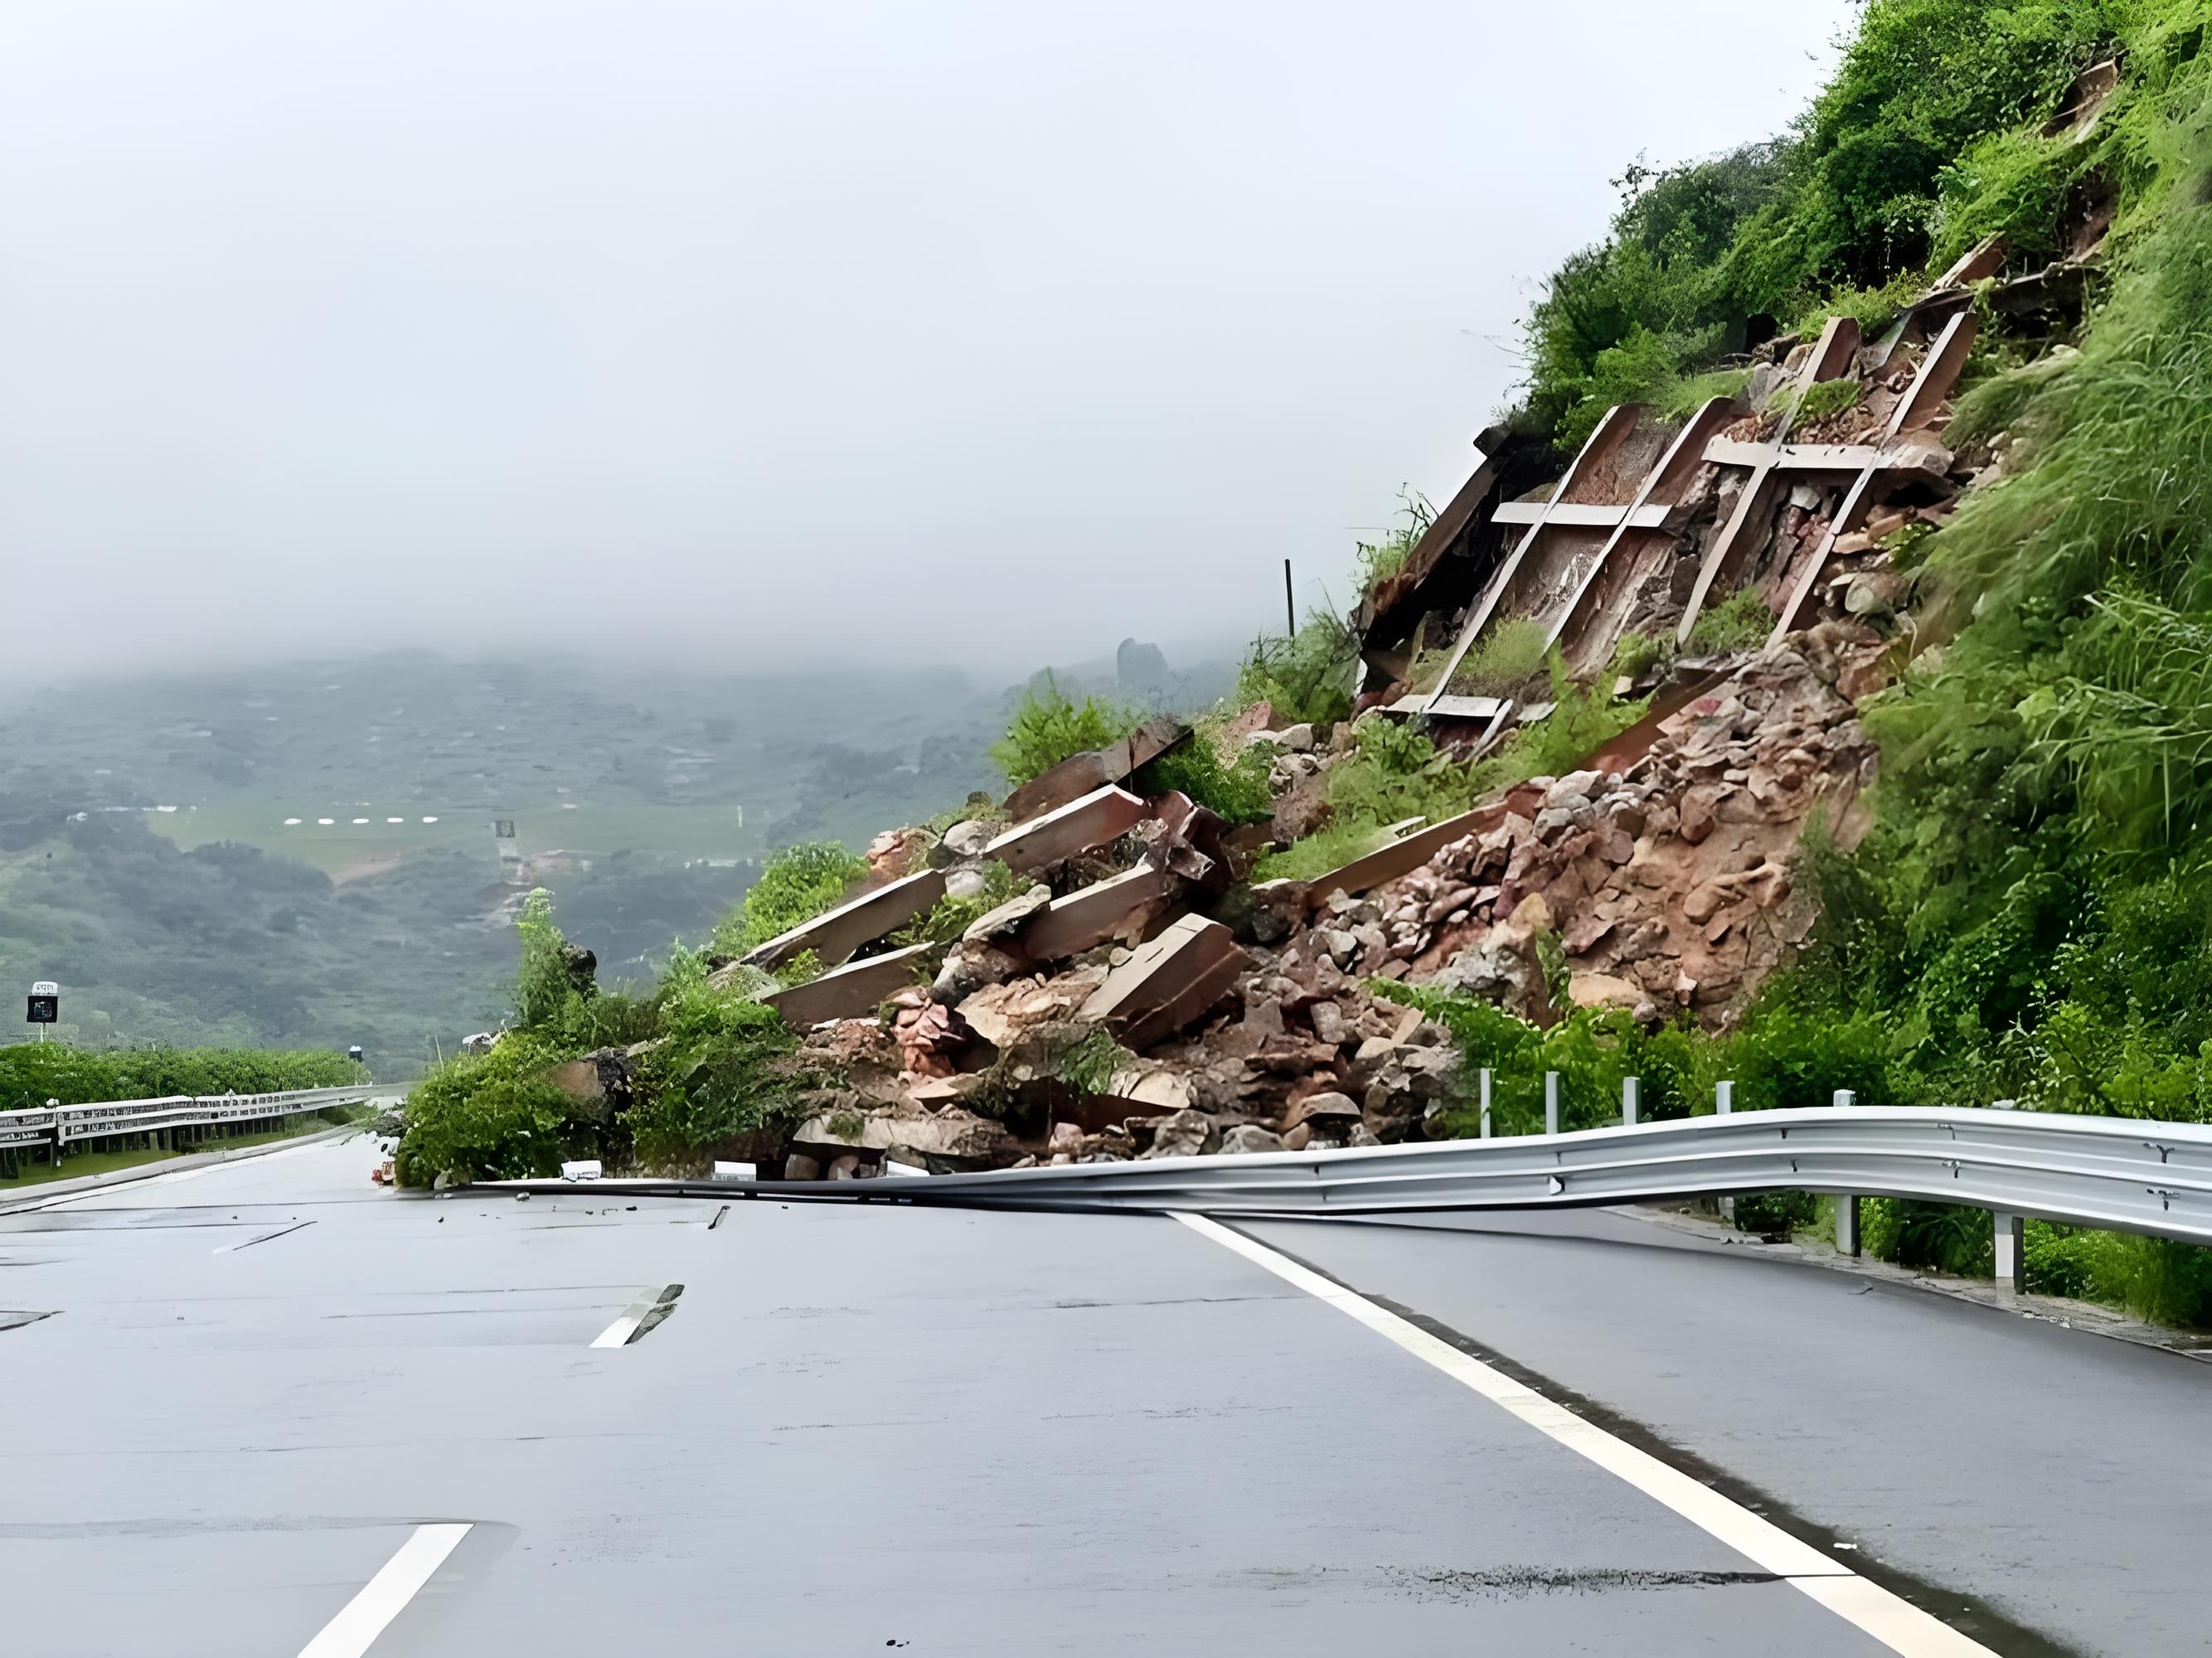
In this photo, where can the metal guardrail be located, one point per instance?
(66, 1124)
(2113, 1174)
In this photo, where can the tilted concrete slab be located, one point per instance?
(836, 934)
(1166, 984)
(1081, 774)
(852, 990)
(1099, 913)
(1100, 817)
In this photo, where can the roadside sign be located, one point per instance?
(44, 1010)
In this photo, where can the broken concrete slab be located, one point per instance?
(1121, 909)
(1166, 984)
(1099, 817)
(954, 1133)
(850, 991)
(837, 933)
(1084, 773)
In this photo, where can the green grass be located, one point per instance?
(1738, 622)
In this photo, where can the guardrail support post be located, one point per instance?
(1631, 1097)
(2011, 1239)
(1725, 1105)
(1847, 1206)
(1551, 1102)
(1486, 1102)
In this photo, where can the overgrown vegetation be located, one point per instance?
(1928, 139)
(1048, 727)
(1741, 621)
(707, 1067)
(799, 883)
(1380, 559)
(949, 917)
(1307, 678)
(1397, 772)
(1090, 1065)
(1236, 791)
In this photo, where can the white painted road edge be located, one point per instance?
(385, 1595)
(1895, 1622)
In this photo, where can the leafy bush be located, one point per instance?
(800, 883)
(1092, 1063)
(720, 1072)
(1635, 654)
(1307, 677)
(1237, 792)
(1048, 727)
(492, 1116)
(1395, 773)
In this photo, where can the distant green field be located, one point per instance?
(685, 831)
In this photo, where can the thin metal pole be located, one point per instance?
(1486, 1102)
(1290, 605)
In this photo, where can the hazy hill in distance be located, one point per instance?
(305, 854)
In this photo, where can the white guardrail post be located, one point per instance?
(1486, 1102)
(1725, 1105)
(1847, 1204)
(1631, 1096)
(1551, 1102)
(2011, 1231)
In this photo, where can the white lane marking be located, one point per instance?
(382, 1598)
(618, 1334)
(1896, 1623)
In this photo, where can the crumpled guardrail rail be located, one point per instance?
(2115, 1174)
(111, 1117)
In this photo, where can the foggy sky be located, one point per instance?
(981, 333)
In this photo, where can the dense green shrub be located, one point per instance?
(1307, 678)
(720, 1071)
(1048, 727)
(1237, 792)
(493, 1116)
(799, 883)
(1925, 141)
(31, 1074)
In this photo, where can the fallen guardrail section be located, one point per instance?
(2112, 1173)
(180, 1120)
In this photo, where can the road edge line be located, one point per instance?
(1891, 1619)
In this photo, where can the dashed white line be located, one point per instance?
(385, 1595)
(1895, 1622)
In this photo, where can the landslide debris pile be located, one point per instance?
(1095, 968)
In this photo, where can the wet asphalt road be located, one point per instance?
(865, 1427)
